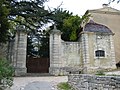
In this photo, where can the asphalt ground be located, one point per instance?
(37, 83)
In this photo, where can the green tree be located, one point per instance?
(30, 46)
(59, 15)
(38, 44)
(44, 44)
(30, 13)
(71, 25)
(59, 19)
(4, 24)
(6, 74)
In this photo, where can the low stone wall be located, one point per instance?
(93, 82)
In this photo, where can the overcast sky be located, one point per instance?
(80, 6)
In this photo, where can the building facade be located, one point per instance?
(111, 18)
(93, 51)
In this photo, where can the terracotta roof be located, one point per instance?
(98, 28)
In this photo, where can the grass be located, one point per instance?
(112, 75)
(64, 86)
(100, 72)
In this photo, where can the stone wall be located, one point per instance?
(7, 50)
(65, 56)
(3, 50)
(93, 82)
(70, 54)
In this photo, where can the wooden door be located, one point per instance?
(37, 65)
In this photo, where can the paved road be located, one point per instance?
(38, 83)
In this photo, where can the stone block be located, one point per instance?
(92, 82)
(20, 71)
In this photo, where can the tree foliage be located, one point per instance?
(32, 13)
(4, 24)
(38, 44)
(64, 21)
(6, 74)
(30, 46)
(110, 1)
(44, 44)
(69, 24)
(29, 13)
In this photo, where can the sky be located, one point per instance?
(79, 7)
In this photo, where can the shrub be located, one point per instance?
(64, 86)
(100, 72)
(6, 74)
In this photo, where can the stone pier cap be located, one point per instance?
(55, 31)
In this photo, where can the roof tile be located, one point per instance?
(98, 28)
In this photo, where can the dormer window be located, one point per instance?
(100, 53)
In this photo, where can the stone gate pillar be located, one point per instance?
(20, 51)
(113, 62)
(85, 51)
(55, 49)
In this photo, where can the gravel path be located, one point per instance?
(37, 83)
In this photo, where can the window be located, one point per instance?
(100, 53)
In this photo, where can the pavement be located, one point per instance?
(37, 83)
(113, 73)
